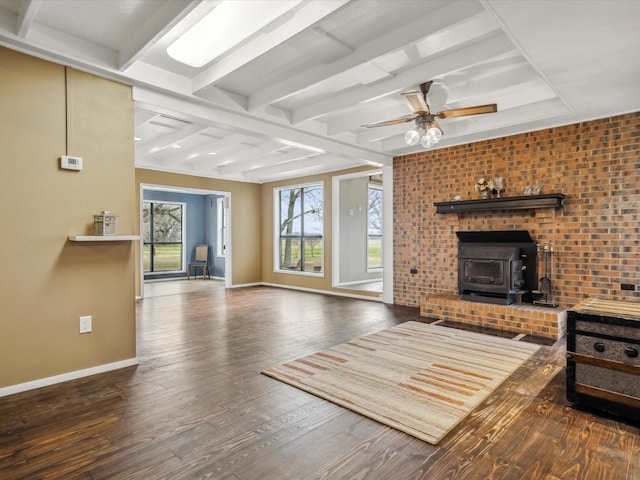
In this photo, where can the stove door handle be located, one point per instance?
(631, 352)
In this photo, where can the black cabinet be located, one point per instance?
(603, 361)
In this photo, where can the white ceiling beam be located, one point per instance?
(368, 135)
(517, 75)
(181, 155)
(255, 128)
(381, 45)
(228, 146)
(297, 168)
(212, 162)
(239, 161)
(260, 161)
(305, 17)
(142, 117)
(174, 138)
(478, 51)
(61, 47)
(166, 16)
(27, 16)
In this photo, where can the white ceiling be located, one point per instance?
(290, 100)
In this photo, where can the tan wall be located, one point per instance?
(246, 222)
(47, 282)
(293, 280)
(596, 164)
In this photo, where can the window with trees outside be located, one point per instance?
(299, 221)
(374, 227)
(162, 236)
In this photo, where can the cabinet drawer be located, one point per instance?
(608, 349)
(607, 379)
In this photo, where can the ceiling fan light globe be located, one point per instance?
(412, 137)
(433, 135)
(426, 143)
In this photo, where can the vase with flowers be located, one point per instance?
(484, 187)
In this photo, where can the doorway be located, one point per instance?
(173, 221)
(362, 247)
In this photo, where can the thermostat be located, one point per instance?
(71, 163)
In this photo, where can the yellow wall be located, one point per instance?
(246, 223)
(302, 281)
(46, 281)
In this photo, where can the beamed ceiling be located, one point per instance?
(290, 100)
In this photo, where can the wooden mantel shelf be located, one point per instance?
(550, 200)
(103, 238)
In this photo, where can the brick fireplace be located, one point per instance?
(596, 165)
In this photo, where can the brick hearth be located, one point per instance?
(518, 318)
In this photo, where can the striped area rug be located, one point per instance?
(419, 378)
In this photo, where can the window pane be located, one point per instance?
(167, 257)
(312, 202)
(290, 253)
(146, 222)
(146, 258)
(162, 231)
(313, 250)
(374, 252)
(375, 211)
(374, 227)
(300, 229)
(290, 212)
(167, 223)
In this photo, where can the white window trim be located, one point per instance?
(221, 250)
(276, 230)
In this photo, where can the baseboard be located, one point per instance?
(65, 377)
(243, 285)
(324, 292)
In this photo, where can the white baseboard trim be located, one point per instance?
(324, 292)
(359, 282)
(65, 377)
(243, 285)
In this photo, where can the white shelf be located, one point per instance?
(103, 238)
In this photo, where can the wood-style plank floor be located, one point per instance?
(197, 406)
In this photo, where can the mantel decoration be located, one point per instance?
(484, 187)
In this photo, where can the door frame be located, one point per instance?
(192, 191)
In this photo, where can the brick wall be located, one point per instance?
(595, 164)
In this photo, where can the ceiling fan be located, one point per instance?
(427, 130)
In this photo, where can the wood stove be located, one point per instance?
(497, 267)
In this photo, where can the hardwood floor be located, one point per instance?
(197, 407)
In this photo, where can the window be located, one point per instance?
(221, 228)
(299, 220)
(163, 236)
(374, 227)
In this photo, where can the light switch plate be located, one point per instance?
(85, 324)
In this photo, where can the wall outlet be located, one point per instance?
(627, 286)
(85, 324)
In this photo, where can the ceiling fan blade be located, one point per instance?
(417, 102)
(466, 111)
(408, 118)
